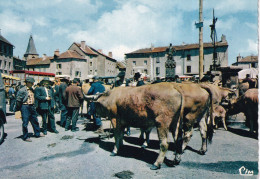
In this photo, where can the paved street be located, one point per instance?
(83, 155)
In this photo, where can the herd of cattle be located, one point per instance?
(176, 108)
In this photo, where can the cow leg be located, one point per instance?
(119, 134)
(163, 138)
(187, 136)
(224, 122)
(147, 138)
(203, 133)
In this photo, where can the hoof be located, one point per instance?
(113, 154)
(154, 167)
(176, 162)
(144, 146)
(202, 152)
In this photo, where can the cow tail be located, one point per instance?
(210, 130)
(178, 131)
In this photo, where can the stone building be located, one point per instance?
(98, 63)
(6, 55)
(79, 61)
(151, 61)
(246, 62)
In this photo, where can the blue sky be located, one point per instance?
(123, 26)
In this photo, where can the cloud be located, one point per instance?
(252, 46)
(41, 21)
(40, 38)
(61, 31)
(252, 26)
(14, 24)
(132, 26)
(223, 7)
(226, 25)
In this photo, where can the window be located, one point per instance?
(157, 70)
(5, 64)
(10, 65)
(253, 65)
(0, 63)
(157, 60)
(134, 63)
(90, 71)
(145, 62)
(188, 69)
(188, 57)
(90, 64)
(77, 74)
(145, 71)
(58, 73)
(58, 66)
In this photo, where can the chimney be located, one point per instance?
(110, 54)
(57, 53)
(239, 58)
(44, 56)
(152, 46)
(100, 50)
(83, 44)
(223, 38)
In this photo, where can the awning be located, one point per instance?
(4, 76)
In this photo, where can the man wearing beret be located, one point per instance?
(25, 104)
(45, 97)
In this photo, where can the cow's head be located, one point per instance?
(102, 104)
(231, 96)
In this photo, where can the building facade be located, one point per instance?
(151, 61)
(79, 61)
(6, 55)
(246, 62)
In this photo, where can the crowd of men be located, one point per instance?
(47, 98)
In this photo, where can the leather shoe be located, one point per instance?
(45, 132)
(66, 129)
(28, 140)
(55, 131)
(41, 135)
(74, 130)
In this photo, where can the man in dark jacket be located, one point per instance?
(96, 87)
(56, 97)
(74, 97)
(45, 97)
(25, 104)
(63, 101)
(11, 94)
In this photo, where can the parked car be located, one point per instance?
(2, 109)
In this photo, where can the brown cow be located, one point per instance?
(248, 104)
(145, 107)
(219, 95)
(197, 102)
(219, 113)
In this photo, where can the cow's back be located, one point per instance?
(139, 106)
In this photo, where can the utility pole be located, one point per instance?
(201, 40)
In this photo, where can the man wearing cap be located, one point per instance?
(45, 97)
(63, 101)
(74, 98)
(25, 104)
(96, 87)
